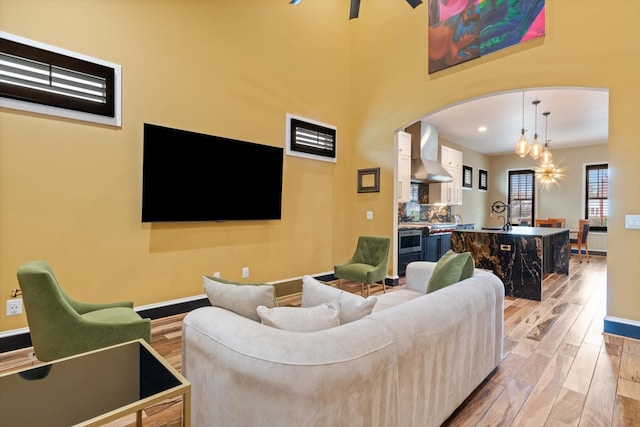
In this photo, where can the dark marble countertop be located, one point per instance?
(519, 231)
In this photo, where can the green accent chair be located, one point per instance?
(60, 326)
(368, 264)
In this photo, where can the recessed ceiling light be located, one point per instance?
(482, 129)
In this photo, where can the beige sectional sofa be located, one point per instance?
(411, 362)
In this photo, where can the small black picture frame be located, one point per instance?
(482, 180)
(467, 176)
(369, 180)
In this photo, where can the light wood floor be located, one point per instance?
(559, 369)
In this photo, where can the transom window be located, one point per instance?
(44, 79)
(596, 208)
(310, 139)
(521, 196)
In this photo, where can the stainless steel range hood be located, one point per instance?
(428, 171)
(425, 167)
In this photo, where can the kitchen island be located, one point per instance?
(520, 257)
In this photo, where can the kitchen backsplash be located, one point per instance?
(414, 211)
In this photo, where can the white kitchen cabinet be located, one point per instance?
(450, 157)
(449, 193)
(404, 167)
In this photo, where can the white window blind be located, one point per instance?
(40, 76)
(314, 139)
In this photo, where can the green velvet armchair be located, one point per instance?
(60, 326)
(368, 264)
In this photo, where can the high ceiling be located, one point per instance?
(578, 117)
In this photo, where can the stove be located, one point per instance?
(441, 228)
(415, 244)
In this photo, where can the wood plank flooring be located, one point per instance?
(559, 369)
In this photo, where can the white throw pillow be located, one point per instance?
(242, 299)
(298, 319)
(352, 307)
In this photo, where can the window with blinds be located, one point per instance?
(32, 73)
(597, 196)
(310, 139)
(521, 196)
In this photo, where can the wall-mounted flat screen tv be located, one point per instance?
(189, 176)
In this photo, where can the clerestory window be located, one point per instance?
(48, 80)
(310, 139)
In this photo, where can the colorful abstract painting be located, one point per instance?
(460, 30)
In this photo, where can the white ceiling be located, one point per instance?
(578, 117)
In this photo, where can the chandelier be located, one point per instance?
(547, 173)
(523, 147)
(546, 156)
(536, 148)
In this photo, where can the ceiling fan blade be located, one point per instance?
(355, 9)
(414, 3)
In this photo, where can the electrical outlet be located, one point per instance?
(245, 272)
(216, 274)
(14, 307)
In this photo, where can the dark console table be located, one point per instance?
(520, 257)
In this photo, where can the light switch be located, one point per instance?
(369, 215)
(632, 221)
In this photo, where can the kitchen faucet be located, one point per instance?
(499, 207)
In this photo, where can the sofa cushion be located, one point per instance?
(451, 268)
(397, 297)
(352, 307)
(417, 275)
(241, 298)
(301, 319)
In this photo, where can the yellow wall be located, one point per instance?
(588, 44)
(70, 192)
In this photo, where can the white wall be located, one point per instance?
(475, 203)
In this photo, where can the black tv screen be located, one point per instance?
(189, 176)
